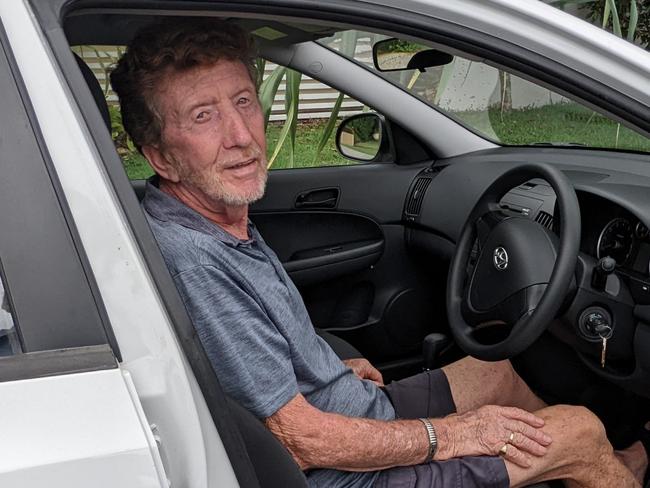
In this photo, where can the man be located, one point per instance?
(189, 103)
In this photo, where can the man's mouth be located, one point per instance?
(242, 164)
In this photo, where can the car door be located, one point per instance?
(69, 413)
(337, 226)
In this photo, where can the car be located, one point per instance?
(493, 198)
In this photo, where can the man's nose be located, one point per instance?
(237, 131)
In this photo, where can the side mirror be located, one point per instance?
(398, 55)
(361, 137)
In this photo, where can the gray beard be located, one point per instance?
(214, 189)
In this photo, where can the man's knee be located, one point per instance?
(586, 423)
(578, 429)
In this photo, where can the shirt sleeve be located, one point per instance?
(251, 358)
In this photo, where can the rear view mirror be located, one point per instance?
(360, 136)
(397, 55)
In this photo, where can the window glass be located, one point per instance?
(9, 343)
(301, 132)
(498, 105)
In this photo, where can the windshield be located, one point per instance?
(498, 105)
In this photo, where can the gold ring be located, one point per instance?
(504, 450)
(511, 438)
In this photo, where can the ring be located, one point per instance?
(511, 438)
(504, 450)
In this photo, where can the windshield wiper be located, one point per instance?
(559, 144)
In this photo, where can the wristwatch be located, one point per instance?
(433, 438)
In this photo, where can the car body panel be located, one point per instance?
(67, 430)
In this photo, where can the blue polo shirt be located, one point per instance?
(254, 325)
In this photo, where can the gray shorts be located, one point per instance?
(428, 395)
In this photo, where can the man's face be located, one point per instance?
(213, 132)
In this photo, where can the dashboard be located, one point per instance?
(615, 214)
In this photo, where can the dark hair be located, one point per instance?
(173, 45)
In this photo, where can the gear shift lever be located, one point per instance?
(433, 346)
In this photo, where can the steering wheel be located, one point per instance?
(510, 270)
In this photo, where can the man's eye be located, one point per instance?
(244, 101)
(202, 116)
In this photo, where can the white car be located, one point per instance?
(103, 382)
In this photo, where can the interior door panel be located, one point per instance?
(350, 262)
(317, 246)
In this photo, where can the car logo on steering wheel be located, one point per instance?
(500, 258)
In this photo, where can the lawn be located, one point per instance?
(567, 123)
(561, 124)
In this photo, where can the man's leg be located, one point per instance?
(475, 383)
(580, 453)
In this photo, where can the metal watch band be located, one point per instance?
(433, 438)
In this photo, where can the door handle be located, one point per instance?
(318, 198)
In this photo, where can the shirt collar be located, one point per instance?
(166, 208)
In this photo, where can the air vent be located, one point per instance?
(414, 202)
(545, 219)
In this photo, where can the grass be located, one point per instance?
(552, 123)
(557, 124)
(307, 138)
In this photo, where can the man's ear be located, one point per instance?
(160, 163)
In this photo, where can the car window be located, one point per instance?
(9, 342)
(301, 134)
(496, 104)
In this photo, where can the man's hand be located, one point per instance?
(364, 370)
(486, 430)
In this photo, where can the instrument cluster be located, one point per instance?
(627, 240)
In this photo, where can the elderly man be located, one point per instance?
(189, 102)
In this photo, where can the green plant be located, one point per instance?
(123, 142)
(268, 90)
(291, 102)
(402, 46)
(625, 18)
(365, 128)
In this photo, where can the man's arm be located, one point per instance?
(319, 439)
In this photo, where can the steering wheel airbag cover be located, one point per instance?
(518, 254)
